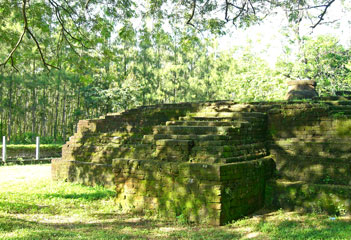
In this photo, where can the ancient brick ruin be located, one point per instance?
(218, 161)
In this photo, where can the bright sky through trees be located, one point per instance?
(269, 38)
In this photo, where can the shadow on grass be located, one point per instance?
(311, 228)
(24, 208)
(122, 228)
(13, 228)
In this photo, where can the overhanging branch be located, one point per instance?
(10, 56)
(321, 16)
(192, 14)
(26, 30)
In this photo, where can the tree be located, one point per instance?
(74, 21)
(324, 60)
(124, 64)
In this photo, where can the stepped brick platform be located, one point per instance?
(213, 162)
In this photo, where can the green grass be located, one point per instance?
(34, 207)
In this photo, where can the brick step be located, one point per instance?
(229, 148)
(197, 130)
(202, 130)
(128, 153)
(252, 120)
(170, 147)
(201, 156)
(199, 137)
(241, 158)
(104, 139)
(174, 142)
(213, 113)
(206, 143)
(96, 147)
(103, 153)
(248, 157)
(148, 139)
(114, 141)
(239, 124)
(229, 107)
(336, 101)
(173, 155)
(340, 112)
(298, 195)
(210, 160)
(200, 140)
(340, 107)
(210, 137)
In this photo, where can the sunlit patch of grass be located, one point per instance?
(38, 208)
(293, 225)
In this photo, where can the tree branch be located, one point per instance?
(21, 37)
(192, 14)
(62, 23)
(87, 4)
(321, 16)
(35, 40)
(40, 51)
(26, 30)
(69, 43)
(226, 10)
(252, 7)
(14, 49)
(13, 64)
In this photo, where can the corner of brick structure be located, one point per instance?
(59, 169)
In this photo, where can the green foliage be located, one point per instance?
(246, 77)
(324, 60)
(123, 64)
(25, 138)
(182, 219)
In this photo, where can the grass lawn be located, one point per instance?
(34, 207)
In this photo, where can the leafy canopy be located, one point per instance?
(82, 25)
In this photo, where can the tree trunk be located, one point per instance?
(56, 114)
(9, 123)
(43, 114)
(34, 108)
(64, 113)
(34, 101)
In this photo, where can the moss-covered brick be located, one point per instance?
(315, 170)
(60, 169)
(196, 130)
(199, 170)
(343, 127)
(174, 142)
(317, 198)
(186, 194)
(211, 189)
(206, 162)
